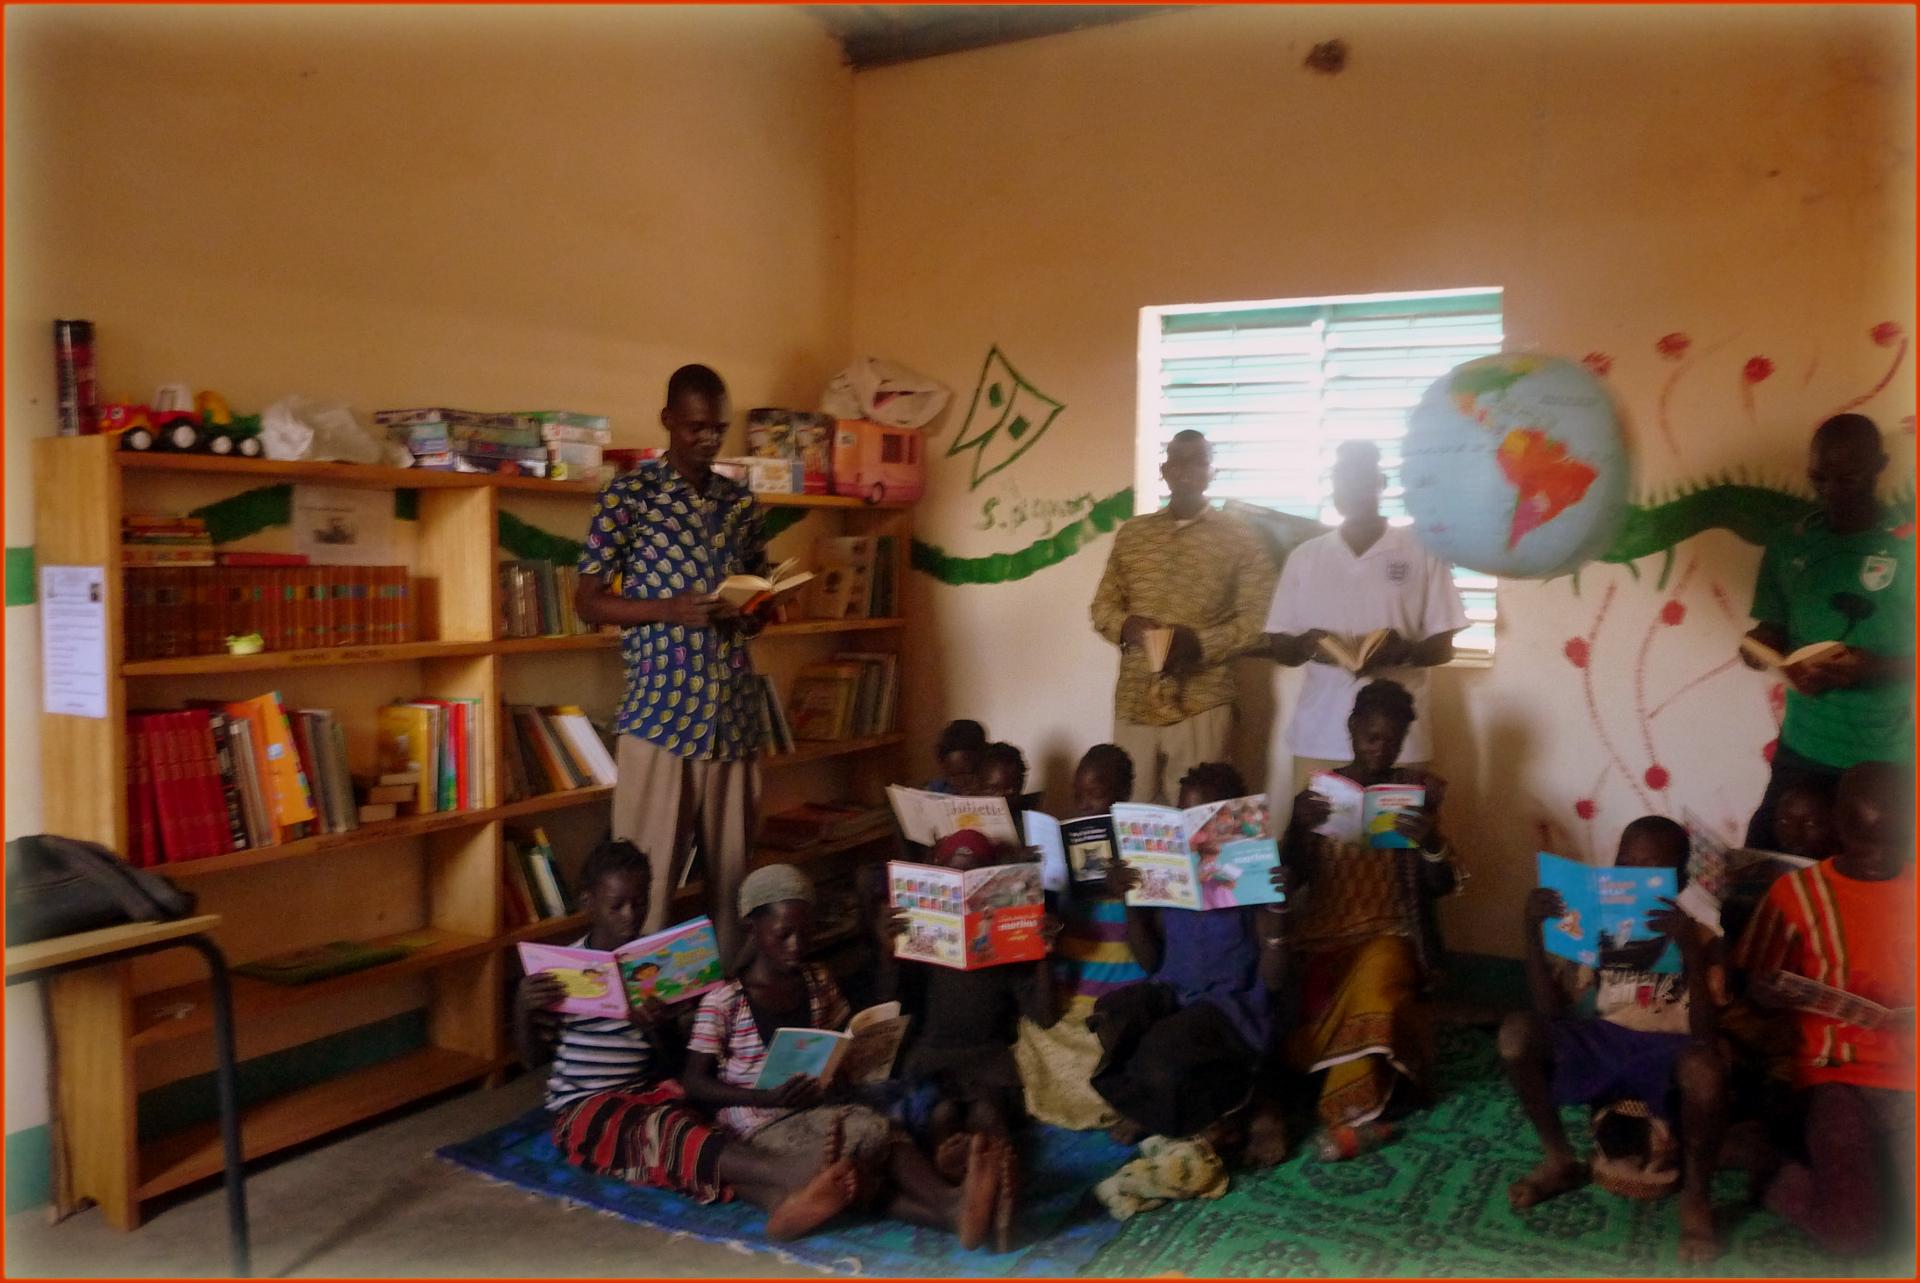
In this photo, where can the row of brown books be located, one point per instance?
(536, 600)
(852, 696)
(180, 611)
(156, 539)
(552, 750)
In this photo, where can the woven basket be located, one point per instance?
(1648, 1171)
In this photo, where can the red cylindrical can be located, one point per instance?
(73, 371)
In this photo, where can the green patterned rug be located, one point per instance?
(1434, 1203)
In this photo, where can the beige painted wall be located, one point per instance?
(493, 207)
(1740, 175)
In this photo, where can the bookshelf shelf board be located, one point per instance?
(826, 501)
(385, 831)
(811, 627)
(345, 474)
(334, 656)
(823, 750)
(820, 850)
(184, 1157)
(544, 929)
(187, 1010)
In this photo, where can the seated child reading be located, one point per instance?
(958, 753)
(775, 988)
(1651, 1039)
(1365, 929)
(616, 1114)
(1181, 1050)
(1091, 960)
(1847, 923)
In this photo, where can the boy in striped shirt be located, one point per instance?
(617, 1112)
(1846, 924)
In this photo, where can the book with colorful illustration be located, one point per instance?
(863, 1054)
(1219, 855)
(668, 966)
(1605, 924)
(927, 817)
(1366, 816)
(966, 920)
(1091, 848)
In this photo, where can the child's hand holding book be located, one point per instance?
(540, 991)
(1311, 810)
(1121, 878)
(1544, 905)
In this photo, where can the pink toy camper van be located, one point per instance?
(878, 463)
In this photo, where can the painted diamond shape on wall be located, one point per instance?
(1006, 417)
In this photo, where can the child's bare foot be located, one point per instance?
(814, 1204)
(950, 1160)
(1266, 1139)
(1126, 1132)
(1699, 1242)
(1003, 1204)
(1549, 1180)
(978, 1193)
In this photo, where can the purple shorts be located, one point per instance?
(1596, 1062)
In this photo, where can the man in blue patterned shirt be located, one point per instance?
(663, 537)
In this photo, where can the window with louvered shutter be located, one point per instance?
(1277, 386)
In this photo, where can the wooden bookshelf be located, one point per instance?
(434, 880)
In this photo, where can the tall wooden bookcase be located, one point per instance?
(430, 881)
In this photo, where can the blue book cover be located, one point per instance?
(1606, 920)
(799, 1053)
(1381, 809)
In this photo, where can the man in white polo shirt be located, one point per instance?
(1364, 576)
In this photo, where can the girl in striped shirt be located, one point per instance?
(616, 1114)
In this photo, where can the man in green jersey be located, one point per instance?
(1843, 574)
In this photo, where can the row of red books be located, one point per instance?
(211, 779)
(174, 611)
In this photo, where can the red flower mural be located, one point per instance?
(1578, 652)
(1887, 333)
(1585, 808)
(1672, 346)
(1757, 370)
(1657, 778)
(1672, 613)
(1599, 362)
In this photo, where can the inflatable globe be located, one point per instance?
(1516, 466)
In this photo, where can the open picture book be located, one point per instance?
(1605, 924)
(750, 592)
(668, 966)
(980, 918)
(1353, 653)
(1365, 816)
(927, 817)
(1812, 655)
(863, 1054)
(1218, 855)
(1804, 994)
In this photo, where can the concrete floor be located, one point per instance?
(379, 1203)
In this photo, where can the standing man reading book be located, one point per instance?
(1845, 574)
(1349, 582)
(1203, 576)
(663, 537)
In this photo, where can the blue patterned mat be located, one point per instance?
(1060, 1231)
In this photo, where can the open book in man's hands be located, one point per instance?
(1812, 655)
(1354, 653)
(1159, 644)
(750, 592)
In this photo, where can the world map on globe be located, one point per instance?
(1516, 465)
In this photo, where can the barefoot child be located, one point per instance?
(615, 1114)
(1365, 929)
(1848, 924)
(1092, 960)
(773, 988)
(1651, 1040)
(1182, 1050)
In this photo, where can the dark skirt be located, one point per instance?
(1173, 1070)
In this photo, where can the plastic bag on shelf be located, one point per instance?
(299, 427)
(886, 393)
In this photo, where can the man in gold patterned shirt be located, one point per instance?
(1203, 575)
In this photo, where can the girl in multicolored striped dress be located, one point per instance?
(1057, 1062)
(617, 1111)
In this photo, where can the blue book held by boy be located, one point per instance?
(1606, 919)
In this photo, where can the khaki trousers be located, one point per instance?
(662, 800)
(1162, 754)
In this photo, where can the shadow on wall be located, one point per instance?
(1486, 772)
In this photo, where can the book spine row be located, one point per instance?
(852, 697)
(173, 612)
(536, 886)
(554, 750)
(536, 600)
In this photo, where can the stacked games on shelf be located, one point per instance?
(853, 578)
(536, 887)
(155, 539)
(556, 444)
(536, 600)
(554, 749)
(439, 742)
(798, 437)
(173, 612)
(851, 696)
